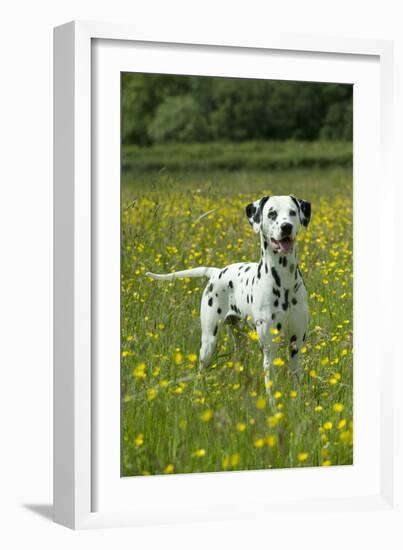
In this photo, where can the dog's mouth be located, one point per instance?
(283, 245)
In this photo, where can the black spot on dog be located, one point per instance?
(211, 287)
(231, 284)
(265, 244)
(216, 330)
(285, 304)
(275, 276)
(219, 311)
(284, 261)
(247, 282)
(304, 337)
(210, 302)
(247, 298)
(247, 269)
(276, 292)
(251, 299)
(216, 295)
(293, 338)
(266, 268)
(292, 266)
(278, 326)
(294, 301)
(253, 281)
(275, 303)
(294, 352)
(273, 316)
(272, 214)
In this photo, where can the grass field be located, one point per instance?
(175, 419)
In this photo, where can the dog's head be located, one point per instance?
(279, 219)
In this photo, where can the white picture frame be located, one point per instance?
(87, 491)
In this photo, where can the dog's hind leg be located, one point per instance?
(210, 324)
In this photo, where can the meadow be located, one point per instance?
(176, 419)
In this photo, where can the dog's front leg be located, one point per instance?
(269, 348)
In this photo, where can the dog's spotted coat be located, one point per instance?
(269, 294)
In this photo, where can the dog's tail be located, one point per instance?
(196, 272)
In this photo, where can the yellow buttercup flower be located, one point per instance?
(139, 371)
(151, 394)
(253, 335)
(199, 453)
(271, 440)
(260, 403)
(342, 423)
(278, 362)
(303, 456)
(178, 358)
(169, 468)
(338, 407)
(207, 415)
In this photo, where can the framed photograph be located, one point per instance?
(218, 276)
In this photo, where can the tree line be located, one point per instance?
(184, 109)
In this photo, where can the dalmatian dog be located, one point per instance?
(269, 294)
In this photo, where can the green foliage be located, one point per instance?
(249, 155)
(178, 118)
(165, 108)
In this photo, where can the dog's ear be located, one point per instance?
(304, 210)
(254, 213)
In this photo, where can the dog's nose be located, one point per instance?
(286, 229)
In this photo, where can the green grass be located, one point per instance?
(253, 155)
(176, 420)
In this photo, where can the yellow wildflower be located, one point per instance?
(199, 453)
(207, 415)
(338, 407)
(260, 403)
(303, 456)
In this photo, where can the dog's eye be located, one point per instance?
(272, 214)
(293, 213)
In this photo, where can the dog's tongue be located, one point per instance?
(285, 245)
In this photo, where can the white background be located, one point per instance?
(26, 263)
